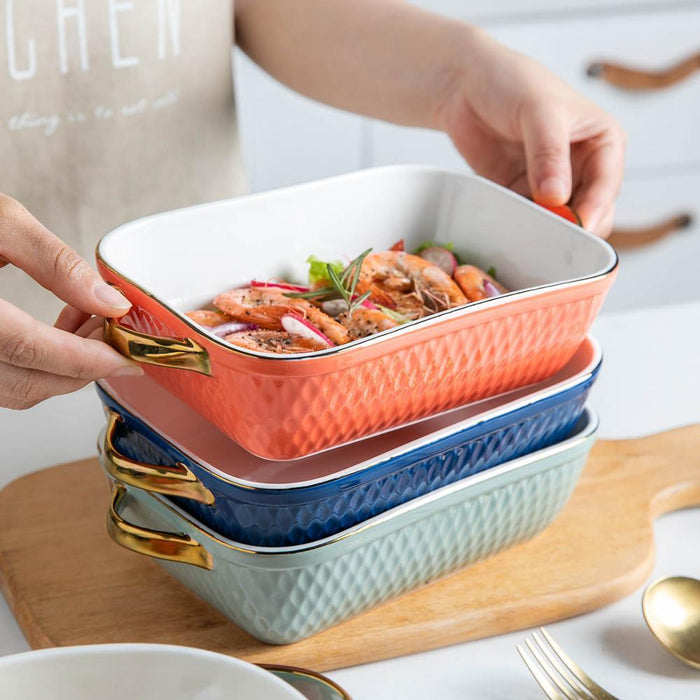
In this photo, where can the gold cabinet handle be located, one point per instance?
(170, 481)
(628, 78)
(629, 238)
(153, 543)
(177, 353)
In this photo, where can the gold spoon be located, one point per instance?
(671, 609)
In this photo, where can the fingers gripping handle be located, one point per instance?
(175, 353)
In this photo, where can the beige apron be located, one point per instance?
(111, 110)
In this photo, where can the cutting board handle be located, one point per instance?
(655, 474)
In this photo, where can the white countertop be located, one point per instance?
(650, 382)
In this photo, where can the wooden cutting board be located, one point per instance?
(67, 583)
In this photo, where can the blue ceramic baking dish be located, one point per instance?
(165, 447)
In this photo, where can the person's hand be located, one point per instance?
(37, 361)
(519, 125)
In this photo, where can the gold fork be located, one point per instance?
(559, 676)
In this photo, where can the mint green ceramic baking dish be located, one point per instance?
(283, 594)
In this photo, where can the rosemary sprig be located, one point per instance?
(320, 293)
(358, 269)
(339, 285)
(360, 299)
(342, 286)
(394, 315)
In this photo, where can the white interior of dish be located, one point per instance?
(205, 444)
(186, 257)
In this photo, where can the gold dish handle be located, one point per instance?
(170, 481)
(176, 353)
(153, 543)
(628, 78)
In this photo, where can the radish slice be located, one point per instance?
(367, 303)
(490, 290)
(233, 327)
(440, 257)
(298, 325)
(565, 212)
(279, 285)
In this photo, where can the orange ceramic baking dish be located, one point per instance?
(283, 407)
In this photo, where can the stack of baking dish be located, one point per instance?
(292, 492)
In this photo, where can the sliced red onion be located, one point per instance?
(279, 285)
(440, 257)
(231, 327)
(491, 290)
(298, 325)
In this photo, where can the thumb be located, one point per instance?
(47, 259)
(547, 156)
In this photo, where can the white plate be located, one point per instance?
(136, 672)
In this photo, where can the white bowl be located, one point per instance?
(136, 672)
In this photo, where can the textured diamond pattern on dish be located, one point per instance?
(284, 603)
(286, 415)
(275, 519)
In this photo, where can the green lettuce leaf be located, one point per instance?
(318, 269)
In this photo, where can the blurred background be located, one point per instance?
(638, 59)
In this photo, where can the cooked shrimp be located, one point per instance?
(265, 306)
(415, 286)
(259, 305)
(208, 317)
(471, 281)
(277, 342)
(362, 322)
(327, 325)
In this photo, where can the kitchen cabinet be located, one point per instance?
(662, 125)
(666, 271)
(290, 139)
(509, 10)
